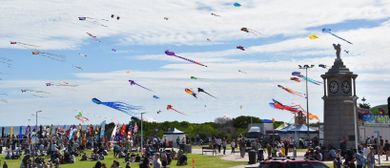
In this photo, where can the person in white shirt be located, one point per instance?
(157, 161)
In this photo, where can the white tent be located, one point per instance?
(172, 135)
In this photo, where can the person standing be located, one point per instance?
(386, 148)
(371, 158)
(242, 147)
(157, 161)
(224, 143)
(233, 145)
(360, 160)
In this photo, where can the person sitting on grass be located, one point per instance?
(115, 164)
(84, 157)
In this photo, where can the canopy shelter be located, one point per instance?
(296, 128)
(173, 137)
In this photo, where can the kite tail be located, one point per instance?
(190, 60)
(144, 87)
(179, 112)
(210, 95)
(340, 37)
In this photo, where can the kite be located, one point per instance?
(242, 71)
(201, 90)
(81, 118)
(292, 91)
(6, 61)
(52, 56)
(194, 78)
(114, 50)
(156, 97)
(36, 93)
(214, 14)
(93, 20)
(313, 36)
(159, 111)
(295, 79)
(322, 66)
(60, 84)
(247, 30)
(311, 116)
(170, 107)
(199, 79)
(93, 37)
(113, 16)
(240, 47)
(236, 4)
(298, 74)
(328, 30)
(346, 51)
(83, 55)
(190, 92)
(121, 106)
(171, 53)
(208, 39)
(24, 45)
(134, 83)
(277, 105)
(166, 18)
(78, 67)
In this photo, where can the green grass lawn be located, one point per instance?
(204, 161)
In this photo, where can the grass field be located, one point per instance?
(204, 161)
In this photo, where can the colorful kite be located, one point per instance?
(295, 79)
(203, 91)
(298, 74)
(66, 84)
(313, 36)
(170, 107)
(240, 47)
(277, 105)
(236, 4)
(123, 107)
(328, 30)
(190, 92)
(247, 30)
(52, 56)
(292, 91)
(81, 118)
(171, 53)
(93, 20)
(134, 83)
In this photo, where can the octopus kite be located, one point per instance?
(120, 106)
(93, 20)
(292, 91)
(190, 92)
(134, 83)
(247, 30)
(277, 105)
(298, 74)
(328, 30)
(171, 53)
(203, 91)
(170, 107)
(295, 79)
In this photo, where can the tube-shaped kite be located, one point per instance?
(52, 56)
(201, 90)
(296, 79)
(121, 106)
(240, 47)
(93, 20)
(292, 91)
(170, 107)
(190, 92)
(298, 74)
(328, 30)
(277, 105)
(247, 30)
(135, 83)
(171, 53)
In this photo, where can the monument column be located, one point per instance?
(339, 102)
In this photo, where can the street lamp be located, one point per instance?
(306, 67)
(142, 132)
(354, 120)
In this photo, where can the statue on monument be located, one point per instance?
(338, 50)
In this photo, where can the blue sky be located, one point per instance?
(142, 35)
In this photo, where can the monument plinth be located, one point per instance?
(339, 99)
